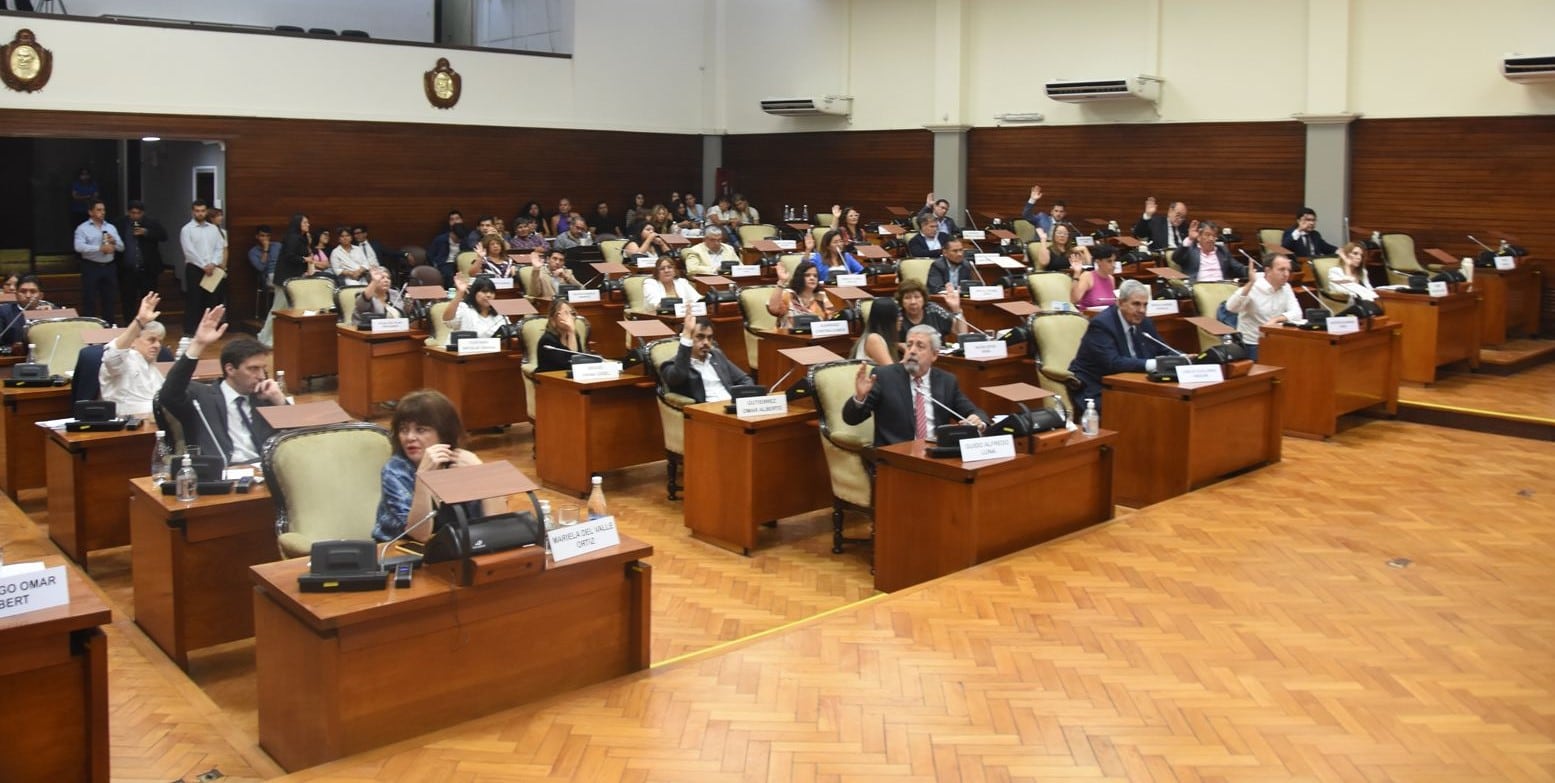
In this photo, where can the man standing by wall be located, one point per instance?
(98, 243)
(140, 268)
(202, 244)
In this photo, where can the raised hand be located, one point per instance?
(952, 299)
(782, 274)
(809, 242)
(148, 309)
(209, 331)
(1150, 206)
(1193, 228)
(435, 456)
(1041, 235)
(836, 210)
(1036, 192)
(690, 325)
(863, 382)
(461, 284)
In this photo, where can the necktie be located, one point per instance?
(248, 424)
(920, 419)
(1132, 350)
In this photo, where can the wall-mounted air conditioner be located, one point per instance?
(1138, 88)
(838, 105)
(1519, 68)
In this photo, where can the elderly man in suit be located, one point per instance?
(1116, 341)
(909, 398)
(699, 370)
(220, 418)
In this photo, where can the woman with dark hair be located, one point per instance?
(296, 252)
(846, 221)
(318, 257)
(879, 343)
(10, 283)
(636, 213)
(426, 432)
(561, 333)
(833, 257)
(647, 243)
(492, 258)
(913, 299)
(475, 312)
(798, 294)
(667, 281)
(532, 211)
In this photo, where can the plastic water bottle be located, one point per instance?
(188, 484)
(280, 381)
(596, 503)
(1090, 421)
(160, 454)
(548, 521)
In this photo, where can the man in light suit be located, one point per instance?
(699, 370)
(902, 397)
(1115, 342)
(228, 407)
(1204, 261)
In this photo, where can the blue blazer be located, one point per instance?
(1104, 351)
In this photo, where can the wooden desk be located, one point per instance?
(937, 516)
(986, 314)
(774, 365)
(1437, 330)
(486, 388)
(341, 673)
(190, 563)
(1173, 439)
(1510, 302)
(87, 472)
(593, 427)
(377, 368)
(305, 344)
(741, 473)
(54, 677)
(1330, 375)
(974, 375)
(21, 455)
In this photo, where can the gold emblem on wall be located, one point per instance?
(442, 85)
(26, 65)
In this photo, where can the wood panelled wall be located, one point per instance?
(869, 170)
(1441, 179)
(399, 178)
(1246, 175)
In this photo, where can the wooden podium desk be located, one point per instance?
(594, 427)
(486, 388)
(1510, 306)
(974, 375)
(54, 677)
(305, 344)
(773, 365)
(1329, 375)
(191, 562)
(1173, 439)
(743, 472)
(937, 516)
(87, 472)
(341, 673)
(21, 440)
(377, 368)
(1437, 330)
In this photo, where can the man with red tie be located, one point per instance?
(909, 399)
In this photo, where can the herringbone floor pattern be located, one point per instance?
(1249, 631)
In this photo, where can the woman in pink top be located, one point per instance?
(1098, 287)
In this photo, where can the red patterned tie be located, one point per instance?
(920, 419)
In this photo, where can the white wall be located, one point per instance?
(403, 20)
(631, 71)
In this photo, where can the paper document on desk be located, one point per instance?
(54, 424)
(210, 281)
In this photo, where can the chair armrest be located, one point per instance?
(677, 401)
(1062, 376)
(850, 443)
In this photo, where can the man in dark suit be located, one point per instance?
(1220, 267)
(1303, 240)
(141, 266)
(699, 370)
(902, 397)
(1165, 232)
(227, 407)
(940, 209)
(1115, 342)
(949, 269)
(930, 242)
(443, 251)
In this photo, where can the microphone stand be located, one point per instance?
(385, 548)
(225, 460)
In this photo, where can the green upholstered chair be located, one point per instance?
(59, 342)
(326, 482)
(670, 405)
(846, 446)
(1058, 336)
(310, 293)
(753, 307)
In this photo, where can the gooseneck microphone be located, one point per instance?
(225, 460)
(382, 550)
(1152, 338)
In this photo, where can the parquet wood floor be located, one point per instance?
(1527, 392)
(1252, 630)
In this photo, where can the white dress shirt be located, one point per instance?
(1261, 304)
(468, 320)
(128, 380)
(342, 260)
(202, 244)
(237, 431)
(712, 385)
(653, 291)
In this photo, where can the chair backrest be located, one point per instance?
(790, 262)
(756, 233)
(1025, 230)
(464, 261)
(345, 303)
(326, 482)
(1207, 298)
(1057, 336)
(59, 341)
(1320, 267)
(818, 232)
(915, 269)
(1049, 287)
(753, 307)
(633, 288)
(86, 385)
(672, 421)
(426, 275)
(310, 293)
(841, 442)
(1398, 253)
(864, 306)
(168, 424)
(1268, 237)
(435, 323)
(611, 250)
(824, 219)
(415, 255)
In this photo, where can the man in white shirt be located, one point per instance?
(699, 370)
(203, 247)
(222, 419)
(98, 242)
(1264, 301)
(129, 374)
(705, 258)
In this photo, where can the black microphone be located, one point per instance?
(225, 460)
(958, 417)
(574, 353)
(422, 521)
(1318, 299)
(1152, 338)
(973, 326)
